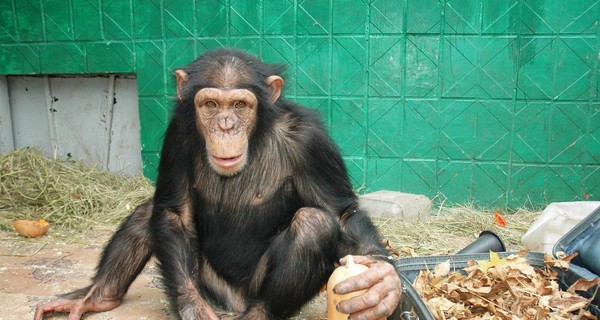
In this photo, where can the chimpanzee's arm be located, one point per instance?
(173, 229)
(324, 183)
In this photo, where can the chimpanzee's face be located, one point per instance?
(225, 110)
(226, 119)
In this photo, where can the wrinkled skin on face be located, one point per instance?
(225, 118)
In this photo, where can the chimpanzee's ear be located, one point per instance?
(275, 84)
(182, 78)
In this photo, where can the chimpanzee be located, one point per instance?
(252, 209)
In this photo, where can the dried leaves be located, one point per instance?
(502, 288)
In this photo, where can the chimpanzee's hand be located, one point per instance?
(382, 296)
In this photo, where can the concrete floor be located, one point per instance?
(34, 271)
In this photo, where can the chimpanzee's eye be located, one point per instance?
(240, 104)
(210, 104)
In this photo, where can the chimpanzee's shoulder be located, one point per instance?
(302, 114)
(302, 128)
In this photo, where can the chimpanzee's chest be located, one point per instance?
(237, 230)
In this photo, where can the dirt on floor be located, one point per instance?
(34, 271)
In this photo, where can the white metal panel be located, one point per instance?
(6, 132)
(93, 119)
(125, 145)
(79, 110)
(29, 114)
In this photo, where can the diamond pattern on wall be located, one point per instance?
(422, 66)
(20, 59)
(563, 17)
(211, 17)
(147, 21)
(495, 103)
(348, 69)
(178, 18)
(279, 17)
(349, 17)
(424, 16)
(385, 62)
(178, 54)
(458, 129)
(246, 18)
(554, 133)
(566, 182)
(384, 174)
(500, 17)
(460, 17)
(591, 182)
(421, 129)
(527, 185)
(109, 57)
(494, 176)
(569, 124)
(203, 45)
(313, 64)
(420, 176)
(493, 132)
(8, 32)
(62, 58)
(153, 111)
(29, 20)
(530, 135)
(348, 126)
(454, 180)
(544, 73)
(314, 17)
(117, 19)
(282, 50)
(471, 130)
(593, 142)
(386, 128)
(387, 17)
(252, 45)
(57, 21)
(356, 171)
(150, 66)
(321, 105)
(478, 67)
(87, 15)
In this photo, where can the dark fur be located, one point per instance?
(268, 236)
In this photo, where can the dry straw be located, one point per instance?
(452, 228)
(64, 192)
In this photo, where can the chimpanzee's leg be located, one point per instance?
(299, 261)
(122, 260)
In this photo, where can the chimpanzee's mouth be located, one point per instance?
(227, 163)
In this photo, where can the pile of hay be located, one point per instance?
(453, 228)
(64, 192)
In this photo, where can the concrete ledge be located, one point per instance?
(394, 204)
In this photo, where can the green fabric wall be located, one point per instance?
(495, 102)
